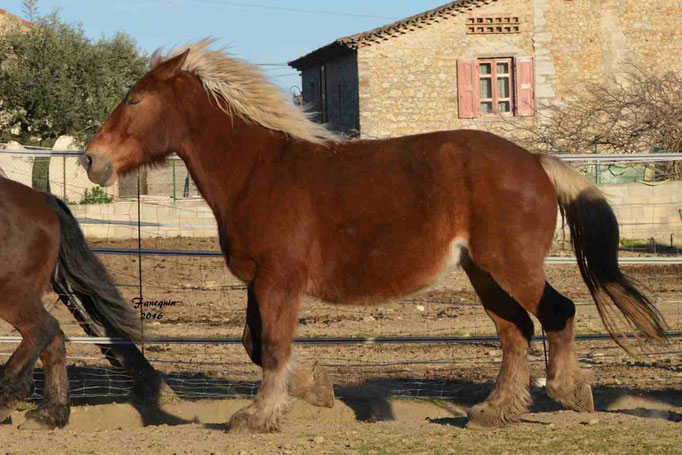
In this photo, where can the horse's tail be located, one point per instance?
(594, 234)
(87, 278)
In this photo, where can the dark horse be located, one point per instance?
(301, 211)
(42, 248)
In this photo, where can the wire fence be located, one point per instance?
(161, 243)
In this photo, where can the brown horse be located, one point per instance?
(301, 211)
(42, 247)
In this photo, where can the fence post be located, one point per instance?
(64, 177)
(173, 179)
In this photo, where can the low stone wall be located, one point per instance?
(644, 211)
(647, 211)
(160, 217)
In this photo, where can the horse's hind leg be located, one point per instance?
(17, 378)
(54, 410)
(38, 330)
(566, 382)
(511, 395)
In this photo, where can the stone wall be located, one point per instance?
(160, 218)
(310, 79)
(9, 20)
(596, 39)
(342, 92)
(646, 211)
(643, 212)
(408, 83)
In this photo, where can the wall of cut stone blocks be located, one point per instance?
(408, 83)
(644, 211)
(159, 218)
(342, 93)
(647, 211)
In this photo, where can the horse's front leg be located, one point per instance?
(271, 320)
(313, 385)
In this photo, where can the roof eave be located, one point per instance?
(14, 17)
(320, 55)
(380, 34)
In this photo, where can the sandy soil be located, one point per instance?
(627, 424)
(639, 399)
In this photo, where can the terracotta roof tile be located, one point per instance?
(341, 45)
(16, 18)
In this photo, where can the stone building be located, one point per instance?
(8, 19)
(479, 63)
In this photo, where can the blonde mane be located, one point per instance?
(240, 88)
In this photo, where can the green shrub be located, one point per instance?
(96, 196)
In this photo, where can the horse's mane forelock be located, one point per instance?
(239, 88)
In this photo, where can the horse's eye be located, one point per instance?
(134, 101)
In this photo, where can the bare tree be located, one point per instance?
(640, 111)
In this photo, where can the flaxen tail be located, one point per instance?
(79, 270)
(594, 233)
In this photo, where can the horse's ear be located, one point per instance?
(156, 59)
(171, 67)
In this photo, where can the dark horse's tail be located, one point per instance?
(594, 233)
(87, 278)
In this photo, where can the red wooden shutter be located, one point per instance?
(525, 86)
(467, 87)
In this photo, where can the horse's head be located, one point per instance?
(144, 128)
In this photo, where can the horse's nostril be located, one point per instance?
(86, 161)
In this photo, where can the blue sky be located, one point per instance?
(261, 31)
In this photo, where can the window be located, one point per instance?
(496, 87)
(495, 80)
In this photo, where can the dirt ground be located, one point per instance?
(380, 388)
(627, 424)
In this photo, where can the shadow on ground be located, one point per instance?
(369, 400)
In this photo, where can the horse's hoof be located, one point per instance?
(239, 422)
(321, 393)
(46, 417)
(485, 417)
(249, 420)
(576, 397)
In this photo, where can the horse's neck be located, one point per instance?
(224, 157)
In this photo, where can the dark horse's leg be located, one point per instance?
(511, 395)
(54, 410)
(41, 337)
(276, 303)
(314, 386)
(566, 382)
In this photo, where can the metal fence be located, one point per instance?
(170, 252)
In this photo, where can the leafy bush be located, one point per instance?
(96, 196)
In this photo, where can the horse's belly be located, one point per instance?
(448, 262)
(374, 280)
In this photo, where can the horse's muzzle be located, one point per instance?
(100, 170)
(86, 161)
